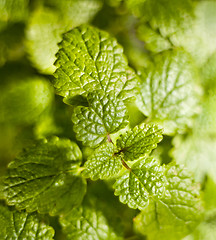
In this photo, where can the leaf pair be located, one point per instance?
(143, 179)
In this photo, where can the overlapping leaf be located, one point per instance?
(145, 180)
(139, 141)
(105, 115)
(44, 178)
(16, 225)
(89, 222)
(177, 213)
(89, 59)
(103, 163)
(168, 91)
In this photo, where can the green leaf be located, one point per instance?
(16, 225)
(145, 180)
(105, 115)
(89, 222)
(103, 164)
(46, 26)
(177, 213)
(44, 178)
(199, 37)
(89, 59)
(139, 141)
(160, 21)
(23, 102)
(197, 152)
(191, 27)
(168, 92)
(43, 32)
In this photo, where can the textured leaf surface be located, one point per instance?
(104, 115)
(44, 178)
(16, 225)
(103, 163)
(137, 185)
(177, 213)
(90, 59)
(25, 101)
(168, 92)
(139, 141)
(88, 222)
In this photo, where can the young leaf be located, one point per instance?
(139, 141)
(103, 163)
(16, 225)
(177, 213)
(137, 185)
(105, 115)
(89, 222)
(89, 59)
(168, 92)
(44, 178)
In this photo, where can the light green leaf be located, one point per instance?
(89, 222)
(168, 92)
(47, 24)
(105, 115)
(177, 213)
(200, 36)
(139, 141)
(23, 102)
(16, 225)
(160, 20)
(145, 180)
(44, 178)
(198, 153)
(43, 32)
(90, 59)
(104, 163)
(191, 27)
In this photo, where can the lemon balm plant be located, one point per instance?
(97, 166)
